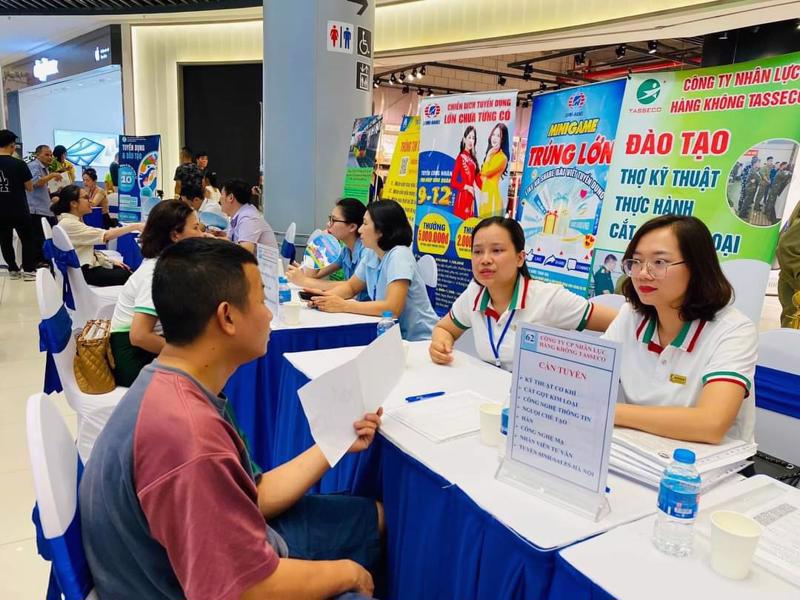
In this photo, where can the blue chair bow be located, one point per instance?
(54, 334)
(778, 391)
(288, 250)
(63, 259)
(69, 571)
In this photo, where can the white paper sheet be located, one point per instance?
(443, 417)
(338, 398)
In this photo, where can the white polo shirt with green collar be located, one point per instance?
(724, 349)
(533, 301)
(136, 296)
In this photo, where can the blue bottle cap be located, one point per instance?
(504, 421)
(682, 455)
(387, 314)
(282, 279)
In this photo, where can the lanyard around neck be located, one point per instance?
(496, 349)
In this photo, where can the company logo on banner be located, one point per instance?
(723, 148)
(570, 145)
(138, 176)
(463, 177)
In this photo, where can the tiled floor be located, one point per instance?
(23, 575)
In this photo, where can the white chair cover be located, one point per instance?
(427, 267)
(93, 410)
(775, 433)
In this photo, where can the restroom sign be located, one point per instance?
(340, 37)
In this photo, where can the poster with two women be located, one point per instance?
(464, 159)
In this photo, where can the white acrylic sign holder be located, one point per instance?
(590, 503)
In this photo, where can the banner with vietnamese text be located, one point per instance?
(401, 182)
(138, 176)
(718, 143)
(361, 158)
(463, 177)
(570, 145)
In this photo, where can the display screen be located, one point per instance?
(88, 148)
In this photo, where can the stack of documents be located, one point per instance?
(445, 417)
(643, 457)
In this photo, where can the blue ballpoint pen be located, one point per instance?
(424, 396)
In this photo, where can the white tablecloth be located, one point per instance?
(311, 317)
(471, 465)
(625, 564)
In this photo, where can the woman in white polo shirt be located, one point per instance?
(136, 336)
(502, 295)
(688, 358)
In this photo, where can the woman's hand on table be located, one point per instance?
(365, 430)
(327, 302)
(441, 352)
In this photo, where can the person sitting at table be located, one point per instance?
(389, 274)
(248, 226)
(170, 505)
(136, 334)
(688, 356)
(97, 197)
(344, 222)
(98, 269)
(502, 295)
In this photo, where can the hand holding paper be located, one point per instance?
(365, 430)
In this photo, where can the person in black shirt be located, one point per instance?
(15, 179)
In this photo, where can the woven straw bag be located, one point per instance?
(94, 362)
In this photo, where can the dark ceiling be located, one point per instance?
(105, 7)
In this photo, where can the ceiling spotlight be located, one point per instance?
(543, 87)
(620, 51)
(414, 73)
(652, 46)
(392, 79)
(529, 68)
(406, 89)
(519, 101)
(376, 83)
(723, 35)
(420, 92)
(580, 58)
(530, 96)
(797, 24)
(501, 80)
(402, 76)
(430, 92)
(421, 72)
(524, 104)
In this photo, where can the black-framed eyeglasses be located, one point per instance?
(632, 267)
(332, 220)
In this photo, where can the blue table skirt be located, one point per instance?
(440, 544)
(128, 247)
(253, 388)
(569, 583)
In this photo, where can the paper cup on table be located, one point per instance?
(734, 538)
(291, 312)
(490, 423)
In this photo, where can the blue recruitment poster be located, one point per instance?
(463, 177)
(138, 176)
(570, 143)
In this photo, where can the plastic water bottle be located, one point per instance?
(386, 322)
(284, 292)
(678, 495)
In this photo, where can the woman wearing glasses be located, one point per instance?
(388, 273)
(343, 223)
(688, 357)
(502, 295)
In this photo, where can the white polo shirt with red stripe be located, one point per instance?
(533, 301)
(724, 349)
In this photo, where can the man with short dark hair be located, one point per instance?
(192, 196)
(248, 226)
(39, 199)
(201, 160)
(15, 180)
(170, 506)
(187, 172)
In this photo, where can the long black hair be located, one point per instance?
(391, 221)
(504, 146)
(66, 196)
(708, 291)
(515, 232)
(467, 131)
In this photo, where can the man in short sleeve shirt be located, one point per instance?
(187, 173)
(170, 505)
(15, 180)
(39, 199)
